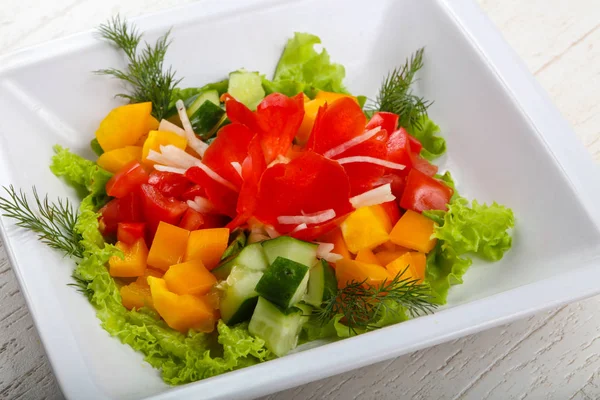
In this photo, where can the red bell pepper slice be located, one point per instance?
(129, 178)
(335, 124)
(191, 220)
(131, 208)
(399, 150)
(421, 164)
(158, 208)
(423, 192)
(313, 232)
(309, 184)
(415, 144)
(223, 197)
(392, 210)
(169, 183)
(238, 113)
(109, 217)
(386, 120)
(193, 192)
(130, 232)
(231, 145)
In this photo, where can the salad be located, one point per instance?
(221, 226)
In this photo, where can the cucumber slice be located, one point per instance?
(322, 284)
(279, 329)
(239, 297)
(237, 241)
(284, 282)
(96, 147)
(292, 249)
(252, 257)
(246, 87)
(209, 95)
(206, 114)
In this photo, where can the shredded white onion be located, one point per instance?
(196, 144)
(170, 127)
(299, 228)
(238, 167)
(339, 149)
(379, 195)
(165, 168)
(370, 160)
(158, 158)
(315, 218)
(272, 232)
(178, 157)
(324, 249)
(332, 257)
(201, 205)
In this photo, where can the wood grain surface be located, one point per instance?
(553, 355)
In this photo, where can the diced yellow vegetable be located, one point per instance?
(339, 246)
(151, 124)
(367, 256)
(414, 231)
(123, 126)
(364, 229)
(133, 262)
(330, 97)
(386, 256)
(383, 217)
(182, 312)
(190, 277)
(411, 265)
(114, 160)
(135, 296)
(168, 246)
(207, 245)
(161, 138)
(350, 270)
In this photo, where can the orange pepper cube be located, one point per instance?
(414, 231)
(133, 262)
(135, 296)
(207, 245)
(142, 281)
(190, 277)
(347, 271)
(182, 312)
(367, 256)
(168, 246)
(161, 138)
(411, 265)
(365, 229)
(339, 246)
(387, 256)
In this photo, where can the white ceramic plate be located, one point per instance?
(506, 143)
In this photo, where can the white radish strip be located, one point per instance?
(168, 126)
(324, 249)
(164, 168)
(339, 149)
(192, 204)
(238, 167)
(316, 218)
(212, 174)
(379, 195)
(299, 228)
(196, 144)
(272, 232)
(333, 257)
(159, 158)
(204, 205)
(179, 157)
(370, 160)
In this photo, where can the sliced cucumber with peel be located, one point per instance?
(293, 249)
(322, 284)
(206, 114)
(251, 257)
(284, 282)
(239, 296)
(246, 87)
(278, 328)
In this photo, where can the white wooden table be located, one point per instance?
(552, 355)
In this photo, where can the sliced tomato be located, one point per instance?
(158, 208)
(386, 120)
(131, 207)
(308, 184)
(335, 124)
(109, 217)
(392, 210)
(130, 232)
(224, 198)
(399, 150)
(423, 192)
(169, 183)
(421, 164)
(193, 192)
(231, 145)
(126, 180)
(191, 220)
(415, 144)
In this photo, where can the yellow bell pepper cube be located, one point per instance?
(347, 271)
(161, 138)
(367, 256)
(182, 312)
(330, 97)
(387, 256)
(143, 280)
(133, 262)
(383, 217)
(364, 229)
(414, 231)
(190, 277)
(168, 246)
(207, 245)
(135, 296)
(114, 160)
(151, 124)
(411, 265)
(123, 126)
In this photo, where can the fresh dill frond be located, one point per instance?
(82, 286)
(144, 76)
(361, 304)
(54, 222)
(396, 96)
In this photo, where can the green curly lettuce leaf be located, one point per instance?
(427, 132)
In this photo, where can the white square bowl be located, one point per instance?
(506, 143)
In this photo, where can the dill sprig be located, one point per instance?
(361, 304)
(82, 286)
(145, 77)
(54, 222)
(396, 96)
